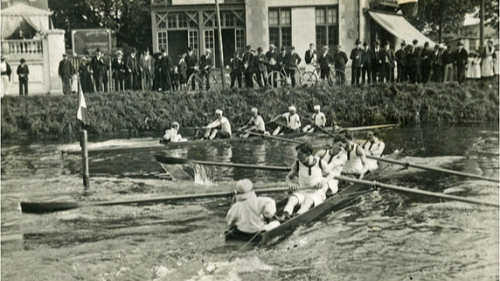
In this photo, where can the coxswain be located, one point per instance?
(335, 157)
(313, 174)
(250, 214)
(256, 124)
(373, 147)
(171, 134)
(220, 128)
(356, 159)
(292, 121)
(318, 120)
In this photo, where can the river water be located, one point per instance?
(384, 236)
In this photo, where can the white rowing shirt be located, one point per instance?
(335, 162)
(374, 148)
(310, 176)
(292, 121)
(258, 122)
(223, 123)
(353, 165)
(171, 135)
(319, 119)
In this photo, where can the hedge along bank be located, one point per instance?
(134, 112)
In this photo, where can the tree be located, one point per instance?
(438, 16)
(491, 8)
(129, 20)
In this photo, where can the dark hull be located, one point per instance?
(337, 202)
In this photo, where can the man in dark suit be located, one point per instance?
(357, 61)
(273, 63)
(248, 66)
(65, 73)
(387, 69)
(100, 70)
(461, 57)
(366, 60)
(437, 63)
(206, 64)
(414, 63)
(132, 64)
(324, 61)
(427, 57)
(292, 60)
(310, 55)
(164, 70)
(191, 61)
(340, 60)
(22, 72)
(376, 62)
(119, 71)
(401, 63)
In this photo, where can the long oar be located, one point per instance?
(272, 137)
(419, 192)
(48, 207)
(175, 160)
(407, 164)
(364, 128)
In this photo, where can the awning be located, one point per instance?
(14, 15)
(399, 27)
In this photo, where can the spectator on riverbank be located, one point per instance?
(324, 61)
(487, 61)
(100, 70)
(22, 72)
(236, 69)
(165, 69)
(357, 60)
(84, 72)
(119, 71)
(146, 67)
(448, 69)
(132, 63)
(340, 60)
(366, 69)
(461, 57)
(182, 68)
(65, 73)
(376, 62)
(6, 74)
(401, 63)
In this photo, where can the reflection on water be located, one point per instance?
(384, 236)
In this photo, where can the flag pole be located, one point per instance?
(82, 116)
(221, 52)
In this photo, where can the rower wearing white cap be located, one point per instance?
(220, 128)
(256, 124)
(292, 121)
(356, 163)
(318, 120)
(249, 212)
(171, 134)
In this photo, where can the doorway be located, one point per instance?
(177, 44)
(228, 41)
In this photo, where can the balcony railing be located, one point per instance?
(25, 47)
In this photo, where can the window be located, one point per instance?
(162, 40)
(209, 39)
(327, 28)
(240, 39)
(280, 27)
(193, 39)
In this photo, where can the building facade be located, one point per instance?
(178, 24)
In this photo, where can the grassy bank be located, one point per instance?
(135, 112)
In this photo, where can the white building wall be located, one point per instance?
(303, 30)
(301, 3)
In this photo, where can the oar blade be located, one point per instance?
(171, 160)
(47, 207)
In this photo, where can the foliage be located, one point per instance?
(491, 11)
(130, 20)
(135, 112)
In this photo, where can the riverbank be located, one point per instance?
(136, 112)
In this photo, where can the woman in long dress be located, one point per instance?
(469, 74)
(476, 67)
(487, 60)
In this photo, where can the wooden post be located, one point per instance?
(85, 160)
(481, 24)
(221, 51)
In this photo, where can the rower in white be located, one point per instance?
(249, 213)
(356, 159)
(373, 147)
(171, 134)
(220, 128)
(312, 173)
(335, 157)
(318, 120)
(256, 124)
(292, 121)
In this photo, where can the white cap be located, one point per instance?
(175, 123)
(254, 110)
(292, 108)
(208, 50)
(317, 107)
(218, 111)
(244, 186)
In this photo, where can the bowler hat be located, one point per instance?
(365, 43)
(283, 48)
(190, 48)
(460, 43)
(22, 60)
(259, 49)
(357, 42)
(65, 55)
(403, 43)
(415, 41)
(97, 50)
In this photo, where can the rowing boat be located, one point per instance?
(336, 202)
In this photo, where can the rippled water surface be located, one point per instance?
(384, 236)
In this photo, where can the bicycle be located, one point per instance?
(198, 77)
(281, 78)
(337, 77)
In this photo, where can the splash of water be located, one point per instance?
(202, 175)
